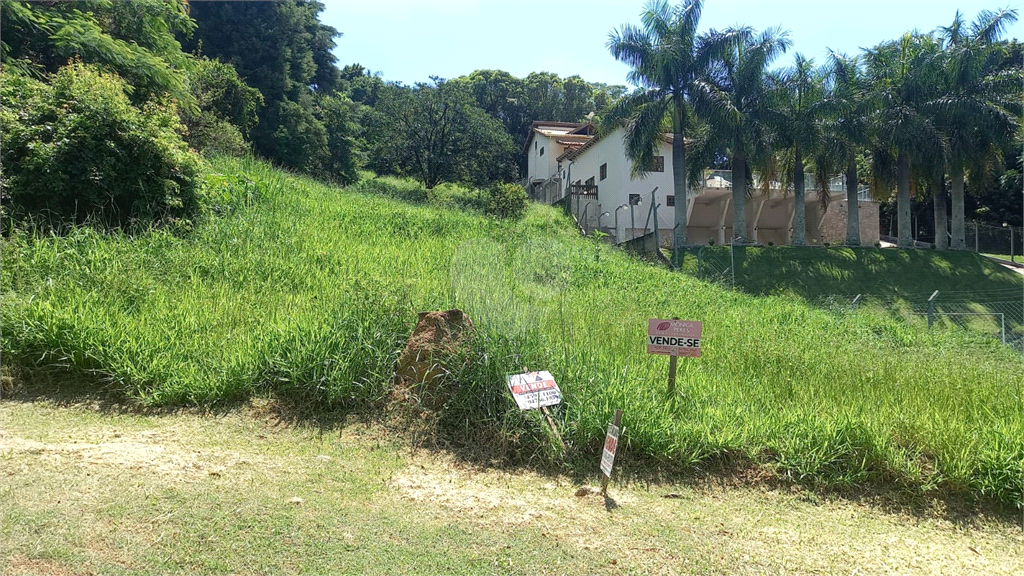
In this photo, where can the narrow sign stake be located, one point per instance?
(611, 442)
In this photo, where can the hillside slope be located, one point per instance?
(309, 292)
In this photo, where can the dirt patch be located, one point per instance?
(421, 368)
(21, 564)
(146, 451)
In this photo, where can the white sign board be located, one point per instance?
(534, 390)
(674, 337)
(611, 442)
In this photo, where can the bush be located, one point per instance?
(225, 111)
(506, 200)
(77, 151)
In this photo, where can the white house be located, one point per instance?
(549, 140)
(597, 174)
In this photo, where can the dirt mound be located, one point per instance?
(422, 367)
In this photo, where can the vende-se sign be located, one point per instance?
(674, 337)
(534, 390)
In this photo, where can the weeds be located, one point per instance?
(309, 292)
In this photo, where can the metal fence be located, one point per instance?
(1004, 242)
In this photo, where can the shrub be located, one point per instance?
(506, 200)
(225, 111)
(77, 150)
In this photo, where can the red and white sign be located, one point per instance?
(674, 337)
(534, 389)
(611, 442)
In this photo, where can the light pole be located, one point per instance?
(617, 221)
(605, 213)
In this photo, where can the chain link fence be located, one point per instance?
(1004, 242)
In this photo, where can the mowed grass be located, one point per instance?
(309, 292)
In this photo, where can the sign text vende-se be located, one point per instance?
(674, 337)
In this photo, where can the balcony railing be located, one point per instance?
(719, 179)
(584, 190)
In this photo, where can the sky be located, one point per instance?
(411, 40)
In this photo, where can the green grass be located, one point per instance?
(113, 491)
(309, 292)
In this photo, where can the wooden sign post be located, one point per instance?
(611, 443)
(676, 338)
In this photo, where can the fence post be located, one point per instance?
(654, 206)
(931, 309)
(976, 236)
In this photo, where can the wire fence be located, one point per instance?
(1005, 242)
(995, 314)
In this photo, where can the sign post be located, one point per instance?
(611, 442)
(676, 338)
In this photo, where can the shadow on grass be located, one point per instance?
(828, 275)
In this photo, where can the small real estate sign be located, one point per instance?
(611, 442)
(534, 390)
(674, 337)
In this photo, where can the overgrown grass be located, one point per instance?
(310, 292)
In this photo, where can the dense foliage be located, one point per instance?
(436, 133)
(283, 50)
(76, 150)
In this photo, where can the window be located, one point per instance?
(670, 200)
(541, 151)
(590, 181)
(659, 164)
(604, 171)
(634, 199)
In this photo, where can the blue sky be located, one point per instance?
(411, 40)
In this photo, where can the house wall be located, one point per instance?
(614, 190)
(833, 226)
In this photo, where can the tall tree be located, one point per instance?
(798, 120)
(846, 129)
(669, 62)
(282, 49)
(979, 104)
(436, 133)
(741, 121)
(135, 40)
(903, 79)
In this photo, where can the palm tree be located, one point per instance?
(979, 106)
(902, 80)
(846, 129)
(798, 122)
(667, 58)
(738, 110)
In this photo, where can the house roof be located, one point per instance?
(566, 130)
(574, 153)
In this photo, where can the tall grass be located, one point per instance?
(310, 291)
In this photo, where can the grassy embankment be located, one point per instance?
(309, 292)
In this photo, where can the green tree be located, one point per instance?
(978, 104)
(282, 49)
(226, 107)
(436, 133)
(798, 122)
(846, 129)
(740, 114)
(668, 61)
(135, 40)
(903, 79)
